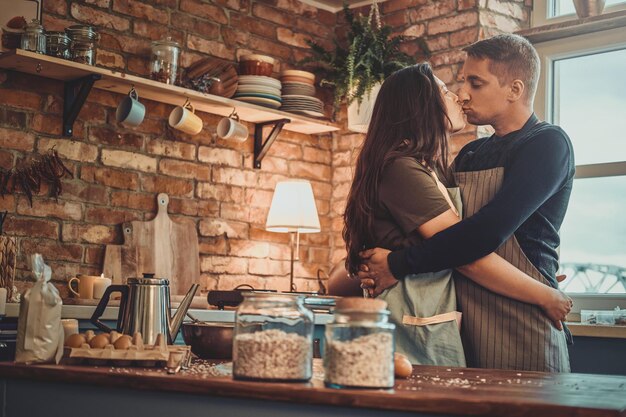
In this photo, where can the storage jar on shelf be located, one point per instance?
(84, 40)
(273, 338)
(34, 38)
(359, 345)
(164, 61)
(58, 45)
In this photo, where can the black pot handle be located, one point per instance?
(95, 318)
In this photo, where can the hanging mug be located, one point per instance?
(130, 111)
(183, 118)
(229, 128)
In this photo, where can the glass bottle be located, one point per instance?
(164, 60)
(58, 45)
(273, 338)
(359, 345)
(84, 40)
(34, 38)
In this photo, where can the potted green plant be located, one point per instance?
(357, 68)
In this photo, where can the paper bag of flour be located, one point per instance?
(39, 330)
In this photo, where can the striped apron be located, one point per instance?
(499, 332)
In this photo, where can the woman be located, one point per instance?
(398, 198)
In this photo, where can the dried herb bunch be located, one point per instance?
(46, 168)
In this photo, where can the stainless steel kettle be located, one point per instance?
(145, 308)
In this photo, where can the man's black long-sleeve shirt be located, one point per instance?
(538, 176)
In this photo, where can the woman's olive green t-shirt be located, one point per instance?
(408, 197)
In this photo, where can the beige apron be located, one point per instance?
(499, 332)
(424, 309)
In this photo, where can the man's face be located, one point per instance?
(481, 95)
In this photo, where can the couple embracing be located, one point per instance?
(470, 245)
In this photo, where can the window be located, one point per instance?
(583, 89)
(555, 11)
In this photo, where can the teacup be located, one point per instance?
(130, 111)
(230, 128)
(183, 118)
(85, 286)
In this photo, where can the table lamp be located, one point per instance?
(293, 211)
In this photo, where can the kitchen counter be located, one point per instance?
(107, 391)
(84, 312)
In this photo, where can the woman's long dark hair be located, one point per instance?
(409, 119)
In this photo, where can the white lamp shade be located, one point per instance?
(293, 208)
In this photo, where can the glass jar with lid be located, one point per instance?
(58, 45)
(273, 338)
(34, 37)
(359, 345)
(164, 60)
(83, 43)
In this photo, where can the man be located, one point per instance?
(515, 186)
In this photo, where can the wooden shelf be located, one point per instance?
(118, 82)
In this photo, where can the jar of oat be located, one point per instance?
(273, 339)
(164, 60)
(359, 345)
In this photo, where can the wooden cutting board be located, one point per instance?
(161, 246)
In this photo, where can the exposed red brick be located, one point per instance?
(110, 177)
(51, 22)
(171, 186)
(395, 5)
(134, 200)
(31, 227)
(204, 10)
(141, 10)
(109, 136)
(56, 7)
(43, 207)
(98, 17)
(254, 25)
(452, 23)
(52, 249)
(432, 9)
(81, 191)
(213, 48)
(193, 207)
(292, 38)
(438, 43)
(206, 28)
(21, 99)
(69, 149)
(73, 232)
(15, 139)
(108, 215)
(185, 169)
(6, 160)
(110, 60)
(12, 118)
(94, 255)
(138, 65)
(273, 15)
(239, 5)
(463, 37)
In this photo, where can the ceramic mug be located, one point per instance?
(85, 286)
(130, 111)
(183, 118)
(230, 128)
(100, 286)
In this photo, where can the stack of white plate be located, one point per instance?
(299, 93)
(258, 89)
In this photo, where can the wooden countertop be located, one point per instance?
(436, 390)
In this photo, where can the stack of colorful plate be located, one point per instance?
(299, 93)
(258, 89)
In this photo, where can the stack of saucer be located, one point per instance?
(259, 89)
(299, 93)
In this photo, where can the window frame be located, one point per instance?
(541, 8)
(547, 88)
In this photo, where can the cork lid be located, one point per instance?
(361, 304)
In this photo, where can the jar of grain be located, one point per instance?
(273, 338)
(359, 345)
(164, 60)
(84, 41)
(58, 45)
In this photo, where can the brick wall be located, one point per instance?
(118, 171)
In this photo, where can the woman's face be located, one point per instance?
(453, 108)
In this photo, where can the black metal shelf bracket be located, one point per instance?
(260, 147)
(75, 93)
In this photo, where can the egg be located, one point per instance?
(402, 366)
(90, 334)
(123, 342)
(99, 341)
(75, 340)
